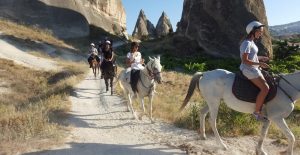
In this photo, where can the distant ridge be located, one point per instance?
(285, 29)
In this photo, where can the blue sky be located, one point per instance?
(278, 11)
(153, 10)
(282, 11)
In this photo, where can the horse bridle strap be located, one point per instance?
(151, 73)
(152, 83)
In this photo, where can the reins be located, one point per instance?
(289, 96)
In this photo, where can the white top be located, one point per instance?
(249, 47)
(136, 57)
(94, 51)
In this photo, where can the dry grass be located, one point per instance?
(32, 33)
(171, 94)
(32, 111)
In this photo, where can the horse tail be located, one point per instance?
(194, 82)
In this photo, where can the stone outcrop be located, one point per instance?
(143, 29)
(68, 18)
(219, 26)
(164, 26)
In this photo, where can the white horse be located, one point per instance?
(145, 84)
(216, 85)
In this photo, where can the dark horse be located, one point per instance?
(109, 70)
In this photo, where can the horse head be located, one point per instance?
(154, 69)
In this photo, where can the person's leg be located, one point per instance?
(90, 61)
(264, 89)
(134, 79)
(102, 66)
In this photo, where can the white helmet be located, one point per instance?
(253, 25)
(92, 44)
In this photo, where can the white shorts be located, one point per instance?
(252, 73)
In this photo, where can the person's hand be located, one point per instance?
(143, 61)
(264, 65)
(263, 59)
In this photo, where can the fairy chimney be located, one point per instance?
(143, 29)
(164, 26)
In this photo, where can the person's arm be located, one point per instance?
(112, 56)
(246, 61)
(263, 59)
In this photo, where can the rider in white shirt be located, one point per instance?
(135, 62)
(93, 53)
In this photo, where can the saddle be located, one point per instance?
(243, 89)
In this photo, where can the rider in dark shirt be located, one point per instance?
(108, 56)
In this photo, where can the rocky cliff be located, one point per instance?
(218, 26)
(143, 29)
(68, 18)
(164, 26)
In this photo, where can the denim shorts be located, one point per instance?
(252, 73)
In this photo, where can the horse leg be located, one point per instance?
(213, 110)
(111, 85)
(151, 108)
(263, 133)
(142, 106)
(131, 107)
(280, 122)
(203, 114)
(98, 67)
(106, 83)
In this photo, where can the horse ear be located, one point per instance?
(158, 57)
(151, 59)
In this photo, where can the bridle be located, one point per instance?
(151, 73)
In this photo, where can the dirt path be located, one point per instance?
(102, 126)
(18, 55)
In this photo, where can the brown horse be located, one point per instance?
(95, 66)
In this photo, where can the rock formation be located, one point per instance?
(68, 18)
(143, 29)
(164, 26)
(218, 26)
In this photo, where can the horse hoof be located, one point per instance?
(202, 138)
(283, 152)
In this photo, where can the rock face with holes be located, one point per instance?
(164, 26)
(143, 29)
(219, 26)
(68, 18)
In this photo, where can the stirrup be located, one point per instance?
(260, 117)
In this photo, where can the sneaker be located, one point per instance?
(259, 116)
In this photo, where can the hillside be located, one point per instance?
(289, 29)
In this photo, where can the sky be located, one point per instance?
(153, 10)
(278, 11)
